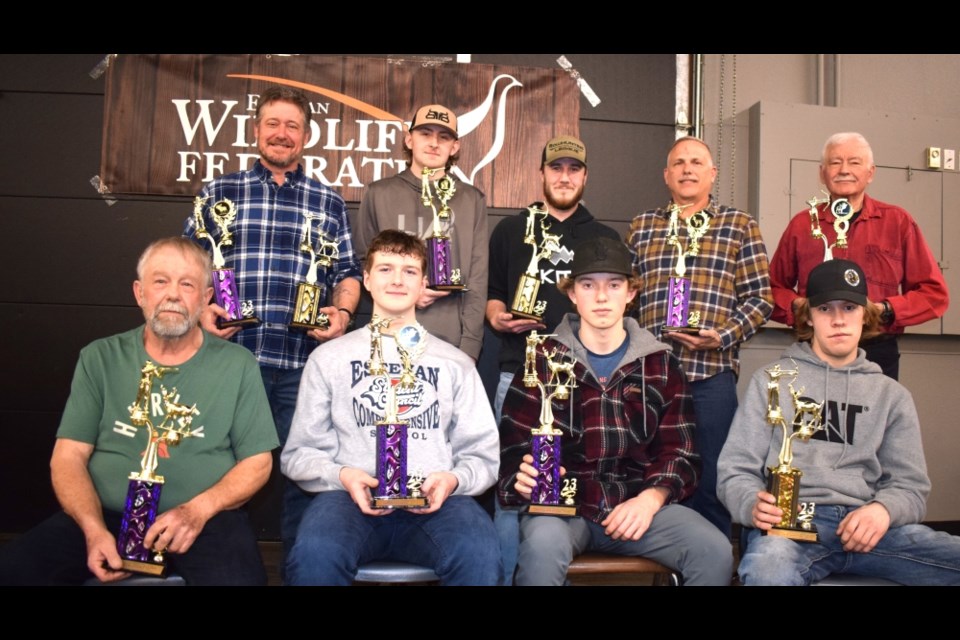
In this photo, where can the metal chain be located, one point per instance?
(733, 131)
(716, 186)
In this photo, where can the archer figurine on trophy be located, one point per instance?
(784, 482)
(395, 490)
(441, 276)
(525, 303)
(224, 280)
(842, 213)
(143, 492)
(679, 316)
(310, 295)
(545, 498)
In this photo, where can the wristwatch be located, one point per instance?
(886, 316)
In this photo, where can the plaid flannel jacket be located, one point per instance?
(617, 441)
(729, 283)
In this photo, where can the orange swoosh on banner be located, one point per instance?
(359, 105)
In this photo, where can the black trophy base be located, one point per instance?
(525, 315)
(323, 323)
(400, 503)
(693, 331)
(242, 322)
(797, 534)
(448, 287)
(148, 568)
(563, 510)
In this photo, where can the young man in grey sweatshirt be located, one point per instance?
(452, 439)
(864, 471)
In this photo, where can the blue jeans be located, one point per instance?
(714, 404)
(678, 537)
(912, 555)
(55, 553)
(506, 519)
(458, 542)
(282, 387)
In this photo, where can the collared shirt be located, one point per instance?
(729, 283)
(266, 253)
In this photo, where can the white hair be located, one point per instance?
(842, 138)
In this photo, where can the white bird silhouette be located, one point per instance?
(469, 121)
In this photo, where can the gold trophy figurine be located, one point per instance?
(530, 358)
(545, 499)
(525, 303)
(375, 365)
(784, 482)
(310, 295)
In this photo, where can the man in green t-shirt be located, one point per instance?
(208, 390)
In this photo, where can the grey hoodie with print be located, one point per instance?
(869, 450)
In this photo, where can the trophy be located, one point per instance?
(525, 303)
(679, 316)
(441, 276)
(784, 482)
(224, 280)
(143, 492)
(310, 295)
(545, 499)
(395, 489)
(842, 213)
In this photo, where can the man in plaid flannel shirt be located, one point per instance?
(273, 200)
(627, 438)
(729, 287)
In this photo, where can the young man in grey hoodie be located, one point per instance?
(452, 439)
(864, 471)
(627, 438)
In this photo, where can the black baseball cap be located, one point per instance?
(837, 280)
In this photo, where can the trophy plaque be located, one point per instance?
(784, 481)
(549, 497)
(525, 303)
(396, 490)
(310, 295)
(441, 276)
(225, 291)
(143, 492)
(679, 317)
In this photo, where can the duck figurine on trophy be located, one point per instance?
(143, 492)
(395, 489)
(679, 317)
(545, 499)
(310, 295)
(225, 290)
(842, 214)
(525, 303)
(441, 276)
(784, 482)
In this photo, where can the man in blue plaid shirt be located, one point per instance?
(273, 201)
(729, 285)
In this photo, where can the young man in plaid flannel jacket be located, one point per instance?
(627, 438)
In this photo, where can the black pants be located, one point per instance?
(55, 553)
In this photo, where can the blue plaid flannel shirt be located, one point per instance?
(266, 253)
